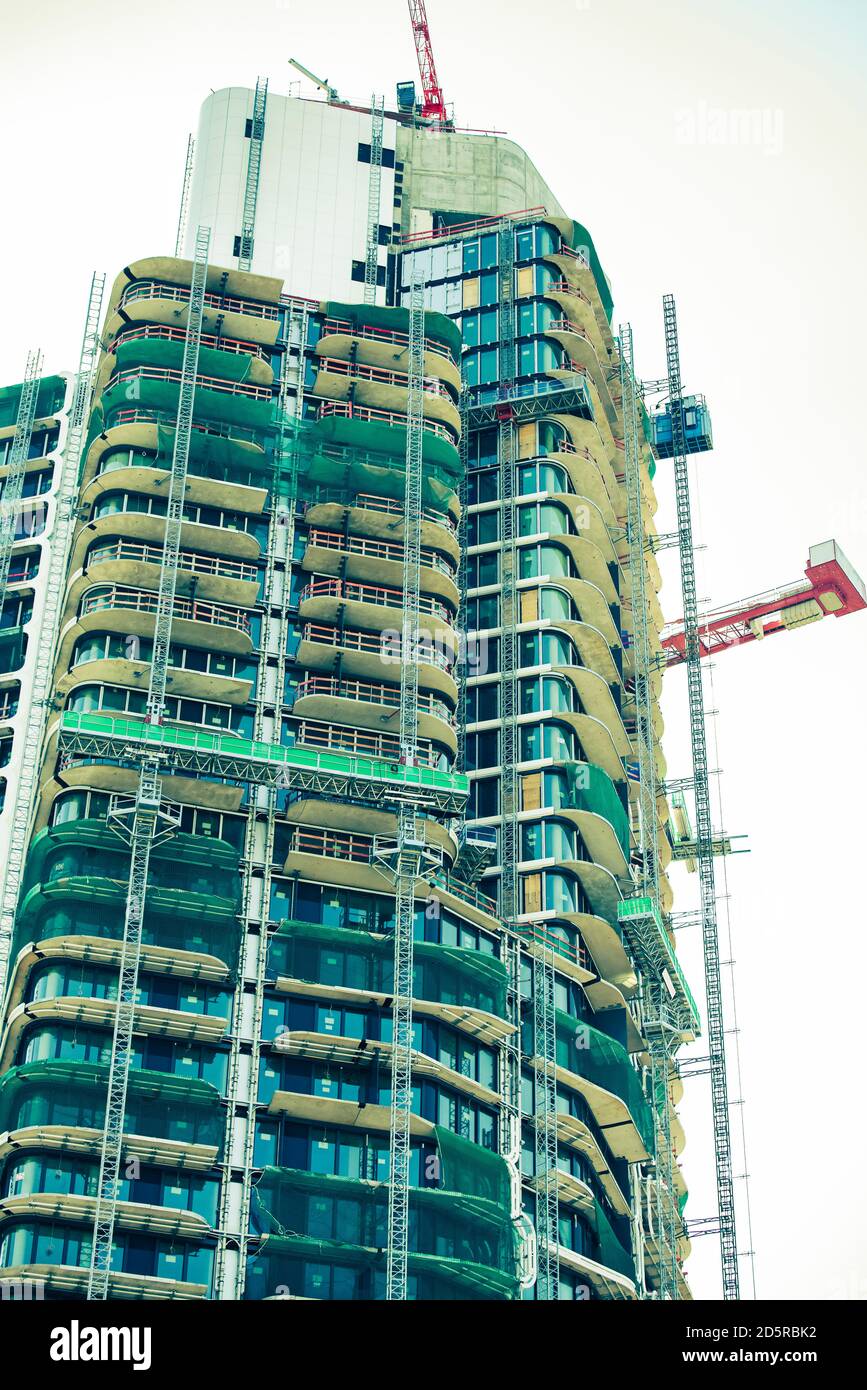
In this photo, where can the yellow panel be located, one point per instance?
(529, 605)
(532, 892)
(531, 787)
(526, 441)
(471, 293)
(526, 283)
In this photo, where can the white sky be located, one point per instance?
(762, 242)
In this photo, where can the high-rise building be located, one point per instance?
(256, 1156)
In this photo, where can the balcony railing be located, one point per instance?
(381, 376)
(141, 601)
(539, 934)
(204, 383)
(375, 549)
(564, 325)
(382, 335)
(371, 593)
(311, 733)
(371, 502)
(563, 287)
(375, 644)
(371, 692)
(163, 333)
(331, 844)
(227, 304)
(349, 411)
(187, 560)
(136, 416)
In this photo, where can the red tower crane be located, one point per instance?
(831, 587)
(433, 105)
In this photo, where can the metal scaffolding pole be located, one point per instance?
(185, 196)
(251, 186)
(43, 669)
(410, 843)
(374, 186)
(704, 823)
(658, 1025)
(13, 483)
(144, 824)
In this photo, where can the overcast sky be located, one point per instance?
(713, 149)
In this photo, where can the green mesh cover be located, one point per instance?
(611, 1252)
(604, 1062)
(436, 326)
(591, 789)
(442, 974)
(452, 1235)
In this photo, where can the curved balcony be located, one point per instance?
(367, 655)
(370, 704)
(379, 344)
(194, 621)
(152, 431)
(598, 1068)
(593, 439)
(369, 515)
(374, 560)
(100, 1013)
(344, 857)
(454, 984)
(340, 379)
(136, 564)
(162, 346)
(158, 388)
(151, 526)
(372, 605)
(383, 432)
(170, 1120)
(152, 300)
(587, 479)
(385, 747)
(581, 351)
(335, 1051)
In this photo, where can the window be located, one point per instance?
(364, 156)
(358, 269)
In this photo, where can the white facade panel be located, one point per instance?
(311, 211)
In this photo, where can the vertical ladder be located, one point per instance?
(246, 1033)
(43, 669)
(251, 187)
(146, 825)
(185, 196)
(374, 186)
(13, 484)
(704, 825)
(410, 850)
(655, 1020)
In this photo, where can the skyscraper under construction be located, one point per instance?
(338, 952)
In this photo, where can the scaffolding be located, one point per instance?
(185, 196)
(145, 824)
(704, 824)
(374, 188)
(641, 918)
(411, 852)
(13, 483)
(43, 668)
(251, 186)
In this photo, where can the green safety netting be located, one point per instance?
(604, 1062)
(42, 919)
(65, 1093)
(591, 789)
(582, 239)
(371, 437)
(611, 1252)
(436, 326)
(352, 471)
(49, 399)
(453, 1235)
(340, 956)
(160, 352)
